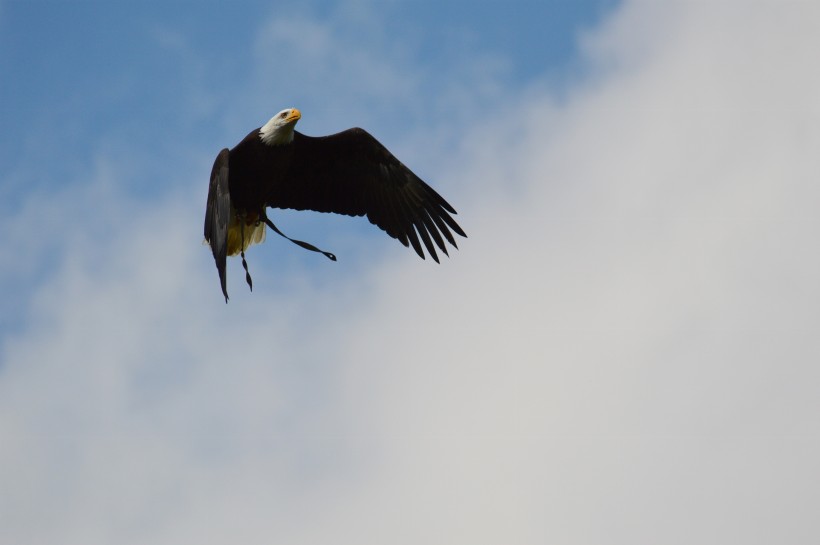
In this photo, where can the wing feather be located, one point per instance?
(352, 173)
(433, 230)
(442, 227)
(217, 215)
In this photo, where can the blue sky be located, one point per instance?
(158, 88)
(114, 70)
(623, 351)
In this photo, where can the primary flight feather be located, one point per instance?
(348, 173)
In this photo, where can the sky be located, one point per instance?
(623, 351)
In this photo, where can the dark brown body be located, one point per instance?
(256, 170)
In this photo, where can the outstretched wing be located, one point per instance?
(217, 214)
(352, 173)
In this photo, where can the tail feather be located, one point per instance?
(254, 234)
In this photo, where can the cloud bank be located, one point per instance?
(623, 351)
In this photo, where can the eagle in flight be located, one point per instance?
(348, 173)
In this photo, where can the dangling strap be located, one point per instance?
(304, 245)
(242, 253)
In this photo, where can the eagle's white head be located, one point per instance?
(279, 130)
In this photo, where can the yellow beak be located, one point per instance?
(295, 115)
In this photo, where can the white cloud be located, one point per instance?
(624, 351)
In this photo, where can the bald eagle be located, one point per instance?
(348, 173)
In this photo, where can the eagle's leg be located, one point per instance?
(242, 253)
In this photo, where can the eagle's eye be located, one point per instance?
(283, 115)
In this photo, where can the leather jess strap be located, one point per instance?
(303, 244)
